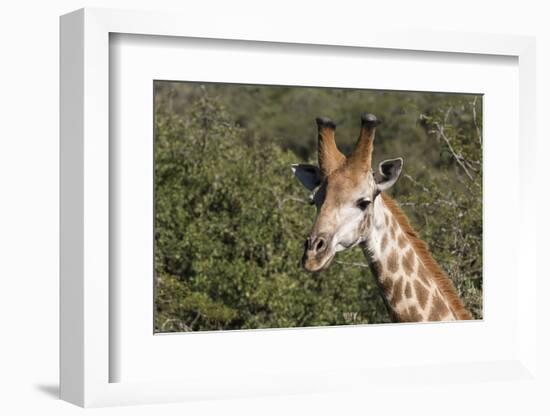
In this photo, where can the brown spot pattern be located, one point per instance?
(366, 223)
(433, 316)
(376, 268)
(423, 274)
(439, 309)
(383, 243)
(397, 293)
(387, 285)
(408, 262)
(392, 262)
(414, 316)
(401, 240)
(408, 290)
(392, 232)
(421, 293)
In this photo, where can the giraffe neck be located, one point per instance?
(413, 286)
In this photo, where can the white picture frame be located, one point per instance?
(85, 354)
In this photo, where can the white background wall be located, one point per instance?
(29, 183)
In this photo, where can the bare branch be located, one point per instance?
(194, 321)
(282, 201)
(347, 263)
(416, 183)
(459, 159)
(447, 115)
(474, 115)
(165, 323)
(437, 199)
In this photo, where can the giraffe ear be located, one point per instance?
(308, 175)
(388, 173)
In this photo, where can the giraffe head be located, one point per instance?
(343, 190)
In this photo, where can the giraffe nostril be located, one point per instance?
(316, 244)
(320, 244)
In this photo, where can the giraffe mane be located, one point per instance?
(440, 278)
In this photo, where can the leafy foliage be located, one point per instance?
(230, 219)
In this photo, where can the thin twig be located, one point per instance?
(347, 263)
(194, 321)
(474, 115)
(456, 156)
(165, 323)
(428, 204)
(447, 114)
(282, 201)
(415, 182)
(439, 200)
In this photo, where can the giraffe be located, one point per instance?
(354, 210)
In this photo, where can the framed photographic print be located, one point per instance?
(230, 224)
(282, 213)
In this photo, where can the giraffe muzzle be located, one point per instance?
(317, 255)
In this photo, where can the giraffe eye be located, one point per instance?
(363, 203)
